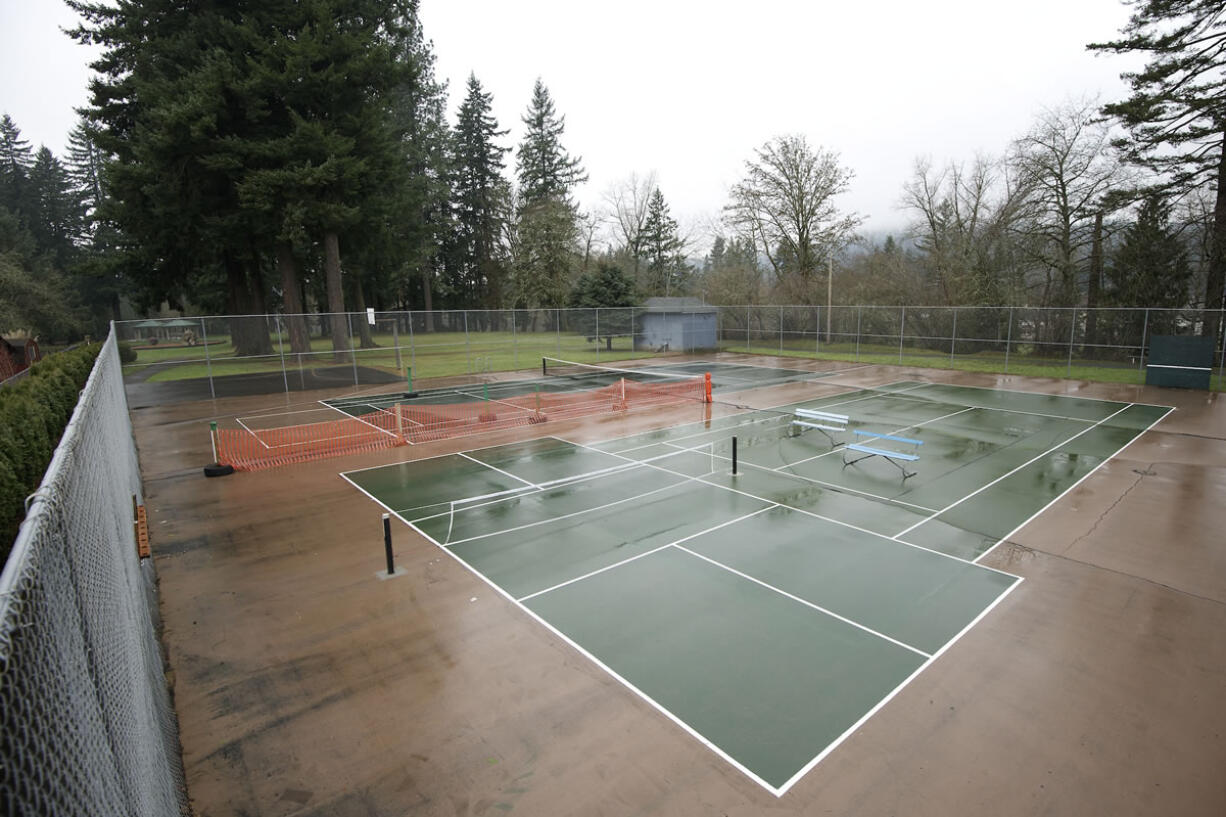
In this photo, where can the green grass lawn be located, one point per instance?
(446, 354)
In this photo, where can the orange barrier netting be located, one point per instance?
(420, 422)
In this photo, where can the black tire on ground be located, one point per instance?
(215, 470)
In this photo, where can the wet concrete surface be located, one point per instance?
(305, 685)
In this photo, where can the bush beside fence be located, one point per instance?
(33, 414)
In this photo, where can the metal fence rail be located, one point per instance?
(230, 354)
(86, 726)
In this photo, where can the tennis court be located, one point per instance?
(771, 611)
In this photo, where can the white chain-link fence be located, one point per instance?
(86, 725)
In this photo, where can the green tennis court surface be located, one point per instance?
(768, 612)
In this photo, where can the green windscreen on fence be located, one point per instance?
(1179, 361)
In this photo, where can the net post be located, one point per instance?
(734, 456)
(706, 382)
(387, 543)
(543, 374)
(213, 438)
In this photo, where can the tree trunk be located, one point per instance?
(366, 341)
(248, 329)
(1092, 286)
(336, 297)
(299, 339)
(1216, 278)
(428, 300)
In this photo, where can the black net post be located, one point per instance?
(387, 543)
(734, 456)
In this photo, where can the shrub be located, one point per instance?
(127, 353)
(33, 415)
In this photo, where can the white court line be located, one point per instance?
(252, 433)
(1045, 394)
(895, 431)
(560, 517)
(499, 470)
(813, 514)
(814, 480)
(806, 603)
(808, 767)
(691, 731)
(1074, 485)
(1014, 471)
(359, 419)
(647, 553)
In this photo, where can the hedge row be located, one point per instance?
(33, 414)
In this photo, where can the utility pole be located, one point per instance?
(829, 294)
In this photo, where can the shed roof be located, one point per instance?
(677, 305)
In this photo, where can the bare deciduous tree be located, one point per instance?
(785, 206)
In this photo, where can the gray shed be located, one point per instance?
(676, 324)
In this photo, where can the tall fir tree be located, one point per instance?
(662, 247)
(1176, 114)
(54, 216)
(16, 159)
(481, 198)
(547, 228)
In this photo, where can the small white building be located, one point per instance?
(676, 325)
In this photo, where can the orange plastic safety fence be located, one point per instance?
(269, 448)
(421, 422)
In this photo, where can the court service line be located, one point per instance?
(894, 431)
(808, 767)
(814, 480)
(1067, 490)
(1010, 473)
(806, 602)
(499, 470)
(1045, 394)
(646, 553)
(558, 518)
(813, 514)
(654, 704)
(1010, 411)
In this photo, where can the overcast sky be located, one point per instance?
(688, 88)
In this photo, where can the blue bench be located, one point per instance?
(823, 421)
(896, 458)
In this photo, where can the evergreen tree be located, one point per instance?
(547, 221)
(480, 198)
(662, 247)
(544, 169)
(1150, 270)
(1176, 115)
(54, 216)
(16, 160)
(609, 290)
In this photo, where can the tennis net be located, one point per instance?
(634, 387)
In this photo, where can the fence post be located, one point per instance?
(817, 339)
(353, 352)
(748, 347)
(412, 344)
(1221, 371)
(1141, 353)
(281, 347)
(1072, 333)
(781, 331)
(208, 364)
(514, 343)
(597, 334)
(902, 331)
(557, 325)
(859, 314)
(954, 338)
(1008, 339)
(396, 341)
(634, 346)
(468, 352)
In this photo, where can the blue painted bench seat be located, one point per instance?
(895, 458)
